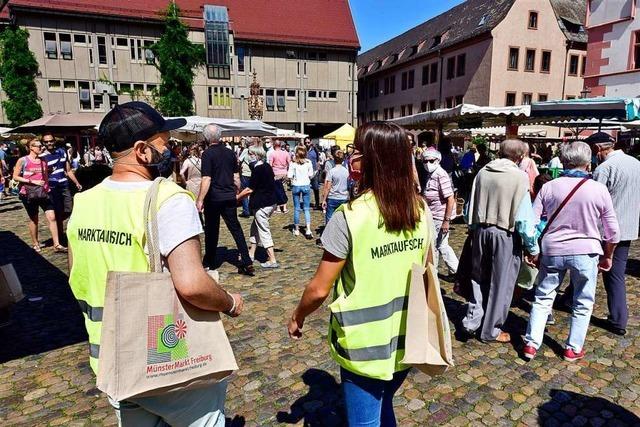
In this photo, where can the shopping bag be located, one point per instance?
(10, 287)
(527, 276)
(154, 342)
(428, 337)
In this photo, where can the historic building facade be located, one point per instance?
(93, 54)
(613, 55)
(483, 52)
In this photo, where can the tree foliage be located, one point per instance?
(18, 70)
(177, 59)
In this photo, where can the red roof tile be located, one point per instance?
(313, 22)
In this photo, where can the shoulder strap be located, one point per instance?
(151, 225)
(562, 205)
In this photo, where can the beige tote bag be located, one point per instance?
(154, 342)
(428, 337)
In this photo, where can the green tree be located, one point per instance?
(18, 69)
(177, 60)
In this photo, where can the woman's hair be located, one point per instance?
(576, 154)
(387, 171)
(33, 141)
(338, 157)
(195, 150)
(540, 180)
(258, 151)
(301, 155)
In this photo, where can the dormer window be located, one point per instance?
(437, 40)
(414, 50)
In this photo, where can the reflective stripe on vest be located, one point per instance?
(368, 314)
(106, 233)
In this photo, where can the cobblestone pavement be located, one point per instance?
(45, 378)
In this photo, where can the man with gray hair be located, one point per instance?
(502, 222)
(217, 199)
(620, 173)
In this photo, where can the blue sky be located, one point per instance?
(379, 20)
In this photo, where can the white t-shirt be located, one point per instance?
(178, 218)
(301, 174)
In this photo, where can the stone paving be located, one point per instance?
(45, 378)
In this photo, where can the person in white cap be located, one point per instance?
(438, 192)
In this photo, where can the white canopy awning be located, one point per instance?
(431, 119)
(230, 127)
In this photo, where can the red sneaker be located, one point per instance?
(572, 356)
(529, 352)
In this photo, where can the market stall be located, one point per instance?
(342, 136)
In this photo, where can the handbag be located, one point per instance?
(36, 192)
(428, 336)
(154, 342)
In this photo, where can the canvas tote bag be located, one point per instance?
(153, 342)
(428, 337)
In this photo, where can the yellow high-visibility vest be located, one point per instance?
(106, 232)
(369, 312)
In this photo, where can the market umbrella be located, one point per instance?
(344, 135)
(61, 123)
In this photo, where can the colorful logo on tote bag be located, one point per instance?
(166, 339)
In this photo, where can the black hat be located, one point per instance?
(600, 138)
(134, 121)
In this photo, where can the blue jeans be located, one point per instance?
(332, 205)
(583, 270)
(302, 194)
(368, 401)
(244, 183)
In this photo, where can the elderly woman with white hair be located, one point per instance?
(571, 242)
(262, 188)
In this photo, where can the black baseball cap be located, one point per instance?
(133, 121)
(600, 138)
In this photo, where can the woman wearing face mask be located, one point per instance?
(370, 245)
(438, 192)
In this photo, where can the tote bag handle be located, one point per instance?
(151, 225)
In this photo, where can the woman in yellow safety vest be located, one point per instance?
(370, 245)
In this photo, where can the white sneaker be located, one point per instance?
(296, 232)
(308, 234)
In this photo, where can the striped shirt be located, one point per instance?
(436, 191)
(56, 162)
(621, 174)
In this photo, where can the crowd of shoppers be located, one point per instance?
(379, 190)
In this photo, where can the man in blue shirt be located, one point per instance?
(59, 172)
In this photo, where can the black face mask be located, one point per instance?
(161, 163)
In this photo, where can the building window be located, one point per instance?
(280, 101)
(113, 101)
(216, 28)
(149, 56)
(583, 69)
(451, 68)
(511, 99)
(138, 87)
(432, 105)
(97, 101)
(533, 20)
(392, 84)
(459, 100)
(291, 93)
(122, 42)
(433, 73)
(411, 77)
(425, 75)
(54, 85)
(403, 111)
(240, 53)
(530, 63)
(221, 97)
(79, 38)
(65, 46)
(133, 50)
(333, 95)
(527, 98)
(461, 65)
(69, 86)
(151, 88)
(570, 97)
(50, 45)
(574, 62)
(84, 95)
(124, 87)
(403, 81)
(423, 106)
(636, 51)
(543, 97)
(102, 50)
(449, 102)
(545, 65)
(514, 54)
